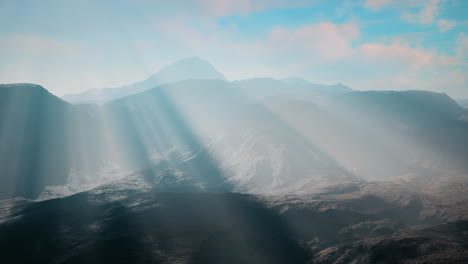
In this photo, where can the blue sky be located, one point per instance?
(69, 46)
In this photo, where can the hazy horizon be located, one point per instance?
(69, 47)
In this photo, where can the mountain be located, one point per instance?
(33, 127)
(427, 127)
(295, 80)
(249, 147)
(254, 136)
(380, 223)
(261, 88)
(190, 68)
(272, 145)
(45, 139)
(299, 81)
(418, 102)
(251, 171)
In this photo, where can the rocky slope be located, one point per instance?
(125, 222)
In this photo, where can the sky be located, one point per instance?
(71, 46)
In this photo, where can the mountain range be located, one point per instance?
(190, 68)
(188, 167)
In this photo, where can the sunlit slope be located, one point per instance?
(253, 148)
(289, 145)
(425, 127)
(214, 135)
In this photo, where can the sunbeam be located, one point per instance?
(331, 132)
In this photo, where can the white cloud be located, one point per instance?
(219, 8)
(395, 55)
(323, 52)
(377, 4)
(398, 4)
(427, 14)
(316, 43)
(279, 51)
(445, 25)
(227, 7)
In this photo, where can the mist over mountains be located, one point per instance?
(463, 103)
(314, 173)
(190, 68)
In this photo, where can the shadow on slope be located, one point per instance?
(149, 227)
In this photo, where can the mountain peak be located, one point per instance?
(341, 87)
(23, 89)
(189, 68)
(21, 86)
(25, 92)
(186, 69)
(296, 80)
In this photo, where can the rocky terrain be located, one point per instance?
(131, 221)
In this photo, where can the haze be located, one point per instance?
(71, 46)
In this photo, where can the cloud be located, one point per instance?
(323, 44)
(397, 4)
(219, 8)
(279, 51)
(400, 66)
(445, 25)
(377, 4)
(427, 14)
(227, 7)
(395, 55)
(322, 51)
(334, 50)
(374, 61)
(317, 43)
(401, 55)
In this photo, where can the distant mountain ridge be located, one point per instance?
(190, 68)
(196, 68)
(259, 135)
(423, 100)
